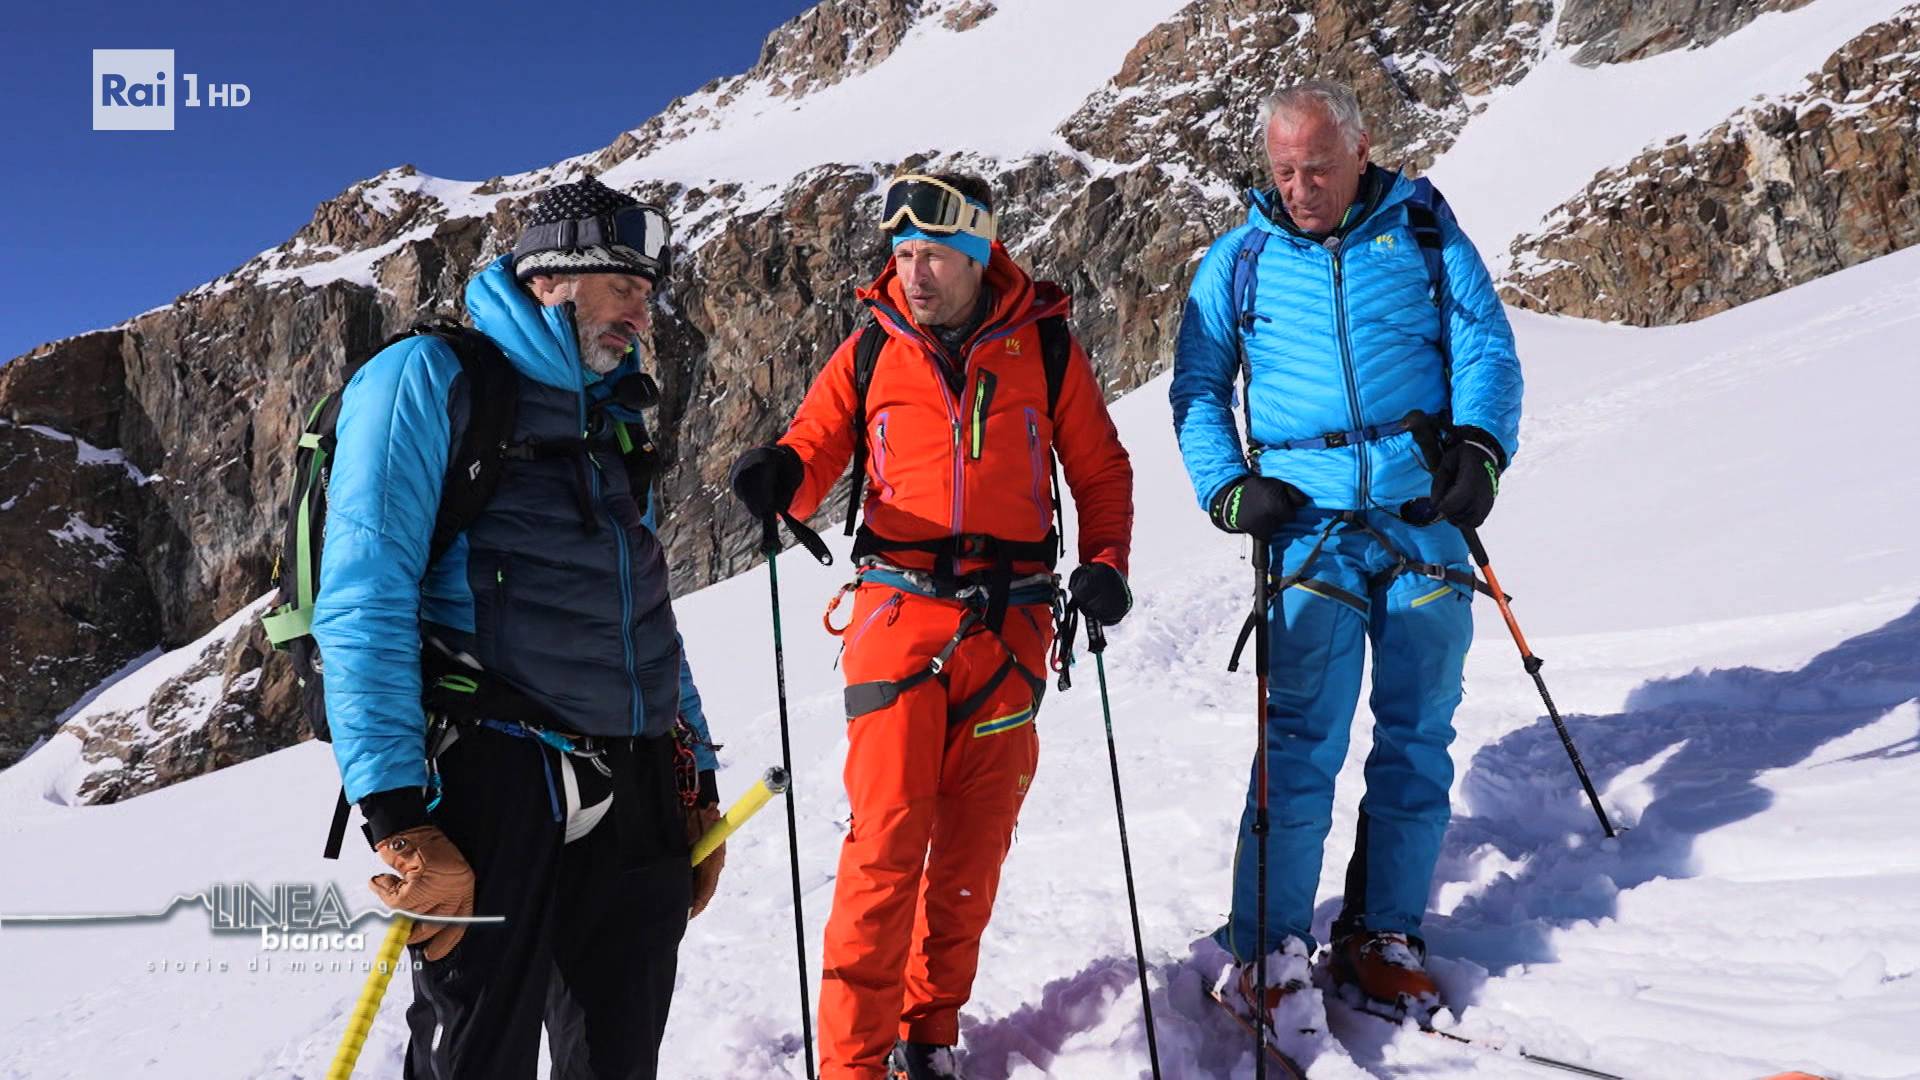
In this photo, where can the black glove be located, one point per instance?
(766, 477)
(1257, 506)
(1101, 592)
(1468, 477)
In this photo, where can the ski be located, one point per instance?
(1287, 1066)
(1395, 1017)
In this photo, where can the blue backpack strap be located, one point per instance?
(1246, 275)
(1423, 217)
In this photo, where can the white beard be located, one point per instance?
(598, 356)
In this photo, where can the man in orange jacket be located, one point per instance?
(972, 391)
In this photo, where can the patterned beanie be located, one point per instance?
(540, 251)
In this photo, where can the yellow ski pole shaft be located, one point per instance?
(757, 796)
(360, 1021)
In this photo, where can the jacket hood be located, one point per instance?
(1018, 299)
(1265, 211)
(540, 340)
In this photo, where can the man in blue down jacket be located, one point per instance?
(1349, 299)
(555, 806)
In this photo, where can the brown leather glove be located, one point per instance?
(706, 876)
(434, 879)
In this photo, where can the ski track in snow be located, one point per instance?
(1728, 612)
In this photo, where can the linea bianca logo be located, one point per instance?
(137, 90)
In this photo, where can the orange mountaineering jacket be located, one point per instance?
(942, 465)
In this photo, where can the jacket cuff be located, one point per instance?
(1217, 506)
(392, 811)
(709, 789)
(1484, 439)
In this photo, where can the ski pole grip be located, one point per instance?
(1474, 545)
(1425, 436)
(743, 808)
(1096, 636)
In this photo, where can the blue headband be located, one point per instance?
(977, 248)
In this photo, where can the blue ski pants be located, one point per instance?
(1419, 626)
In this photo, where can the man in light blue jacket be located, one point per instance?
(1348, 305)
(558, 798)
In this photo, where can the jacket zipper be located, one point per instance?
(880, 458)
(1036, 460)
(502, 599)
(892, 604)
(982, 401)
(946, 393)
(626, 575)
(1347, 371)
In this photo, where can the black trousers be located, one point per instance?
(592, 931)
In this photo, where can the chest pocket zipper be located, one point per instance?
(882, 452)
(1037, 460)
(977, 420)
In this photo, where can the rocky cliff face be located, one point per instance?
(1611, 31)
(1191, 91)
(1780, 194)
(202, 398)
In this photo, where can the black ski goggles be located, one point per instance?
(934, 207)
(643, 230)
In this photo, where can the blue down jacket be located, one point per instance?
(1345, 335)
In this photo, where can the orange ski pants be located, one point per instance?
(934, 797)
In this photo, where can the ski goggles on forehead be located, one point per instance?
(642, 229)
(934, 207)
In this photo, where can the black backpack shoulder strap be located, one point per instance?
(641, 457)
(866, 357)
(493, 393)
(1056, 349)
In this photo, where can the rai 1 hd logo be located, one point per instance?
(137, 90)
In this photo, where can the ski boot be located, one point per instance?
(922, 1061)
(1287, 1007)
(1386, 973)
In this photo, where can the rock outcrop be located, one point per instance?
(218, 704)
(1612, 31)
(75, 605)
(1780, 194)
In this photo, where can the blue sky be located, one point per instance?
(98, 226)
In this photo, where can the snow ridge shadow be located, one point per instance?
(1037, 1032)
(1703, 738)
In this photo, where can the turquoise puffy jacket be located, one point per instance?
(1344, 335)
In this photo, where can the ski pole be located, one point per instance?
(1097, 645)
(360, 1020)
(747, 805)
(1261, 560)
(1533, 664)
(770, 540)
(1426, 436)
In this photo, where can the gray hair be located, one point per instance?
(1335, 99)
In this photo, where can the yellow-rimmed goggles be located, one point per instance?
(934, 207)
